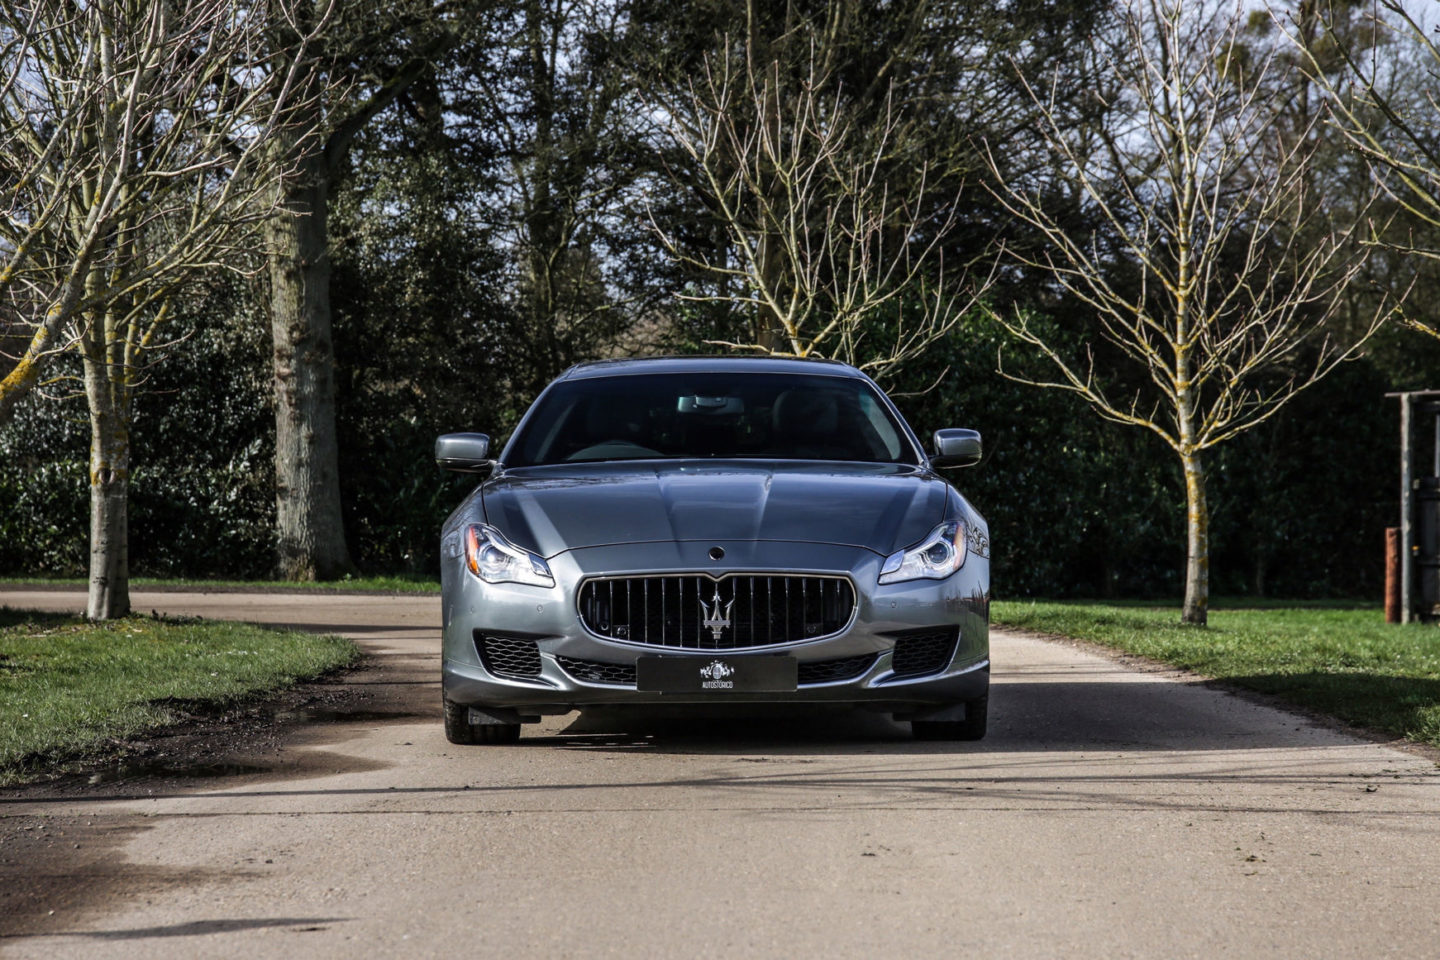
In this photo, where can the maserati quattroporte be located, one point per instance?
(699, 531)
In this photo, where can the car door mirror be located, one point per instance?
(463, 452)
(956, 447)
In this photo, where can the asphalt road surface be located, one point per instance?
(1111, 812)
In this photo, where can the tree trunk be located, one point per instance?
(109, 494)
(541, 222)
(311, 534)
(1197, 543)
(767, 331)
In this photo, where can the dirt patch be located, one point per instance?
(248, 739)
(54, 870)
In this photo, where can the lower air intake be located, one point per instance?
(834, 671)
(922, 652)
(514, 657)
(598, 671)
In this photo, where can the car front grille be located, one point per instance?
(597, 671)
(697, 612)
(919, 652)
(833, 671)
(515, 657)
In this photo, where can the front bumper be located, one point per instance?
(550, 617)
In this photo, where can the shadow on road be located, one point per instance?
(200, 928)
(1025, 716)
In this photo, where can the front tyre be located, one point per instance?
(459, 729)
(971, 728)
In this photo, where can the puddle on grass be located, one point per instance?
(146, 769)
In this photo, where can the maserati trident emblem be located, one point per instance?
(716, 619)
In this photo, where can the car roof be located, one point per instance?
(718, 364)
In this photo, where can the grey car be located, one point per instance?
(707, 531)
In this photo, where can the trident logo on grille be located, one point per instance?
(716, 619)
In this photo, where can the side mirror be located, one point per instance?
(463, 452)
(956, 448)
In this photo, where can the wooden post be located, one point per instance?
(1392, 574)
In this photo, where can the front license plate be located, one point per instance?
(720, 674)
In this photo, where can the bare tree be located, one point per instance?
(1390, 119)
(823, 257)
(136, 155)
(1201, 198)
(543, 93)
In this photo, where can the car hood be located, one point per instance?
(882, 507)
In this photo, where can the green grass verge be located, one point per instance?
(67, 685)
(1344, 661)
(396, 583)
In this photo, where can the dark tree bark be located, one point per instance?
(309, 523)
(542, 223)
(310, 528)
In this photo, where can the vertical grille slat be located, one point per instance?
(753, 610)
(769, 610)
(696, 621)
(787, 605)
(629, 617)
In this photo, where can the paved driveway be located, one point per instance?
(1110, 813)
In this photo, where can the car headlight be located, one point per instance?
(934, 558)
(494, 559)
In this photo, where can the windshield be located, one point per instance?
(651, 416)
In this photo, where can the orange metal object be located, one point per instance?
(1392, 574)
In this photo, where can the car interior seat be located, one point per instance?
(805, 425)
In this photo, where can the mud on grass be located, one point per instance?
(72, 690)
